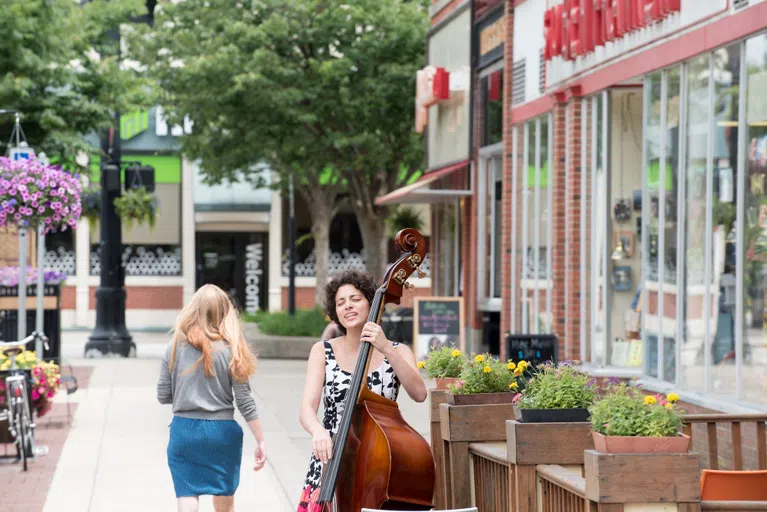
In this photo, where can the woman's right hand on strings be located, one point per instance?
(322, 445)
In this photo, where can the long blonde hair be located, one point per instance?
(209, 317)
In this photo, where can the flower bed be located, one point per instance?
(9, 276)
(33, 194)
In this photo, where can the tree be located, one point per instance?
(304, 85)
(58, 68)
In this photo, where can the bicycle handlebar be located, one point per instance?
(20, 343)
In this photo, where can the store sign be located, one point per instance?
(490, 36)
(253, 271)
(432, 87)
(577, 27)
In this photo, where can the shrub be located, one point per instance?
(486, 374)
(306, 322)
(558, 386)
(446, 362)
(626, 411)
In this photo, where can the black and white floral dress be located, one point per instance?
(382, 380)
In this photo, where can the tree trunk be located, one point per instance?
(321, 205)
(376, 242)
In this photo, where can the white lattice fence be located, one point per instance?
(145, 261)
(61, 260)
(337, 262)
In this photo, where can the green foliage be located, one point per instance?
(558, 387)
(447, 362)
(59, 69)
(487, 374)
(305, 86)
(137, 206)
(625, 411)
(306, 322)
(404, 217)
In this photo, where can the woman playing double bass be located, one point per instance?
(347, 302)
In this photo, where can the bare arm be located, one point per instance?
(315, 381)
(401, 359)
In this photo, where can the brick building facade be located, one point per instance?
(622, 209)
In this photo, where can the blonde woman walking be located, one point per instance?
(203, 374)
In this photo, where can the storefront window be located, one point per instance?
(599, 208)
(754, 336)
(492, 98)
(447, 248)
(724, 245)
(491, 174)
(693, 353)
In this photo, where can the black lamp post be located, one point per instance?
(110, 334)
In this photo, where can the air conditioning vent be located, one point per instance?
(518, 82)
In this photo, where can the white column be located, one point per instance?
(275, 253)
(188, 249)
(82, 271)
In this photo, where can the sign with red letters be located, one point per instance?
(576, 27)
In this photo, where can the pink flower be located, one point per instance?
(51, 393)
(517, 398)
(41, 390)
(35, 395)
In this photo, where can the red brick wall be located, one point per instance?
(68, 300)
(559, 226)
(137, 297)
(444, 13)
(507, 186)
(571, 137)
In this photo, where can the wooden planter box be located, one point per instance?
(621, 479)
(530, 444)
(459, 426)
(437, 397)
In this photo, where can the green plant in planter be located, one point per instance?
(626, 411)
(486, 374)
(445, 363)
(137, 206)
(404, 217)
(558, 386)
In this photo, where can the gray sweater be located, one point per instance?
(196, 396)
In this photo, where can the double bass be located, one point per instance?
(378, 460)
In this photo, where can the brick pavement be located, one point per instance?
(26, 491)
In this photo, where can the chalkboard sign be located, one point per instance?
(533, 348)
(437, 322)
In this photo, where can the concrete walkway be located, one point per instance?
(114, 458)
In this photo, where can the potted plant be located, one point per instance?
(33, 194)
(136, 205)
(556, 393)
(444, 365)
(627, 421)
(486, 380)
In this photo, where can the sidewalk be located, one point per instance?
(114, 457)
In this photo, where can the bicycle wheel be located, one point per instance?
(21, 433)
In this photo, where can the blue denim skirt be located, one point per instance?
(204, 456)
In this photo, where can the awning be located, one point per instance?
(418, 193)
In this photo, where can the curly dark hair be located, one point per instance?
(363, 281)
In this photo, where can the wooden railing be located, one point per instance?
(562, 490)
(734, 506)
(492, 477)
(728, 428)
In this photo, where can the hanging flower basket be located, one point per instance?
(137, 206)
(33, 194)
(91, 203)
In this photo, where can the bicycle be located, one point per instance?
(19, 413)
